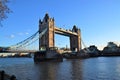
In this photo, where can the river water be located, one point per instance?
(101, 68)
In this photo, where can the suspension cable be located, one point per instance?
(30, 40)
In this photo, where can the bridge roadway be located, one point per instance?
(64, 32)
(19, 51)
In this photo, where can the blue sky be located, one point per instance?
(99, 20)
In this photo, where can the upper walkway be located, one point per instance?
(64, 32)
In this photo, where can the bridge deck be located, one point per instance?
(28, 51)
(64, 32)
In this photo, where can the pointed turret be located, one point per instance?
(46, 18)
(74, 28)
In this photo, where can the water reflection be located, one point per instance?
(59, 71)
(102, 68)
(76, 70)
(47, 71)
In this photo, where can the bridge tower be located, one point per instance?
(75, 41)
(47, 40)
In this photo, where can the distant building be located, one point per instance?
(93, 51)
(111, 47)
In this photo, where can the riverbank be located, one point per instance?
(4, 76)
(16, 56)
(89, 55)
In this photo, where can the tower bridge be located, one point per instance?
(46, 37)
(48, 41)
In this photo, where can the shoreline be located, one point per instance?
(5, 76)
(75, 56)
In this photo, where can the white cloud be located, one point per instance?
(11, 36)
(26, 33)
(20, 33)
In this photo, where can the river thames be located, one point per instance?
(101, 68)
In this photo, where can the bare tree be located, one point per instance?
(4, 10)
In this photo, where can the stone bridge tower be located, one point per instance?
(47, 40)
(75, 41)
